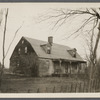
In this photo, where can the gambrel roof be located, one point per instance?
(58, 51)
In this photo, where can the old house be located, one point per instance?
(39, 58)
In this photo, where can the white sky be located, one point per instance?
(27, 15)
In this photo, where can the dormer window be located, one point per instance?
(25, 49)
(48, 50)
(72, 52)
(19, 51)
(22, 41)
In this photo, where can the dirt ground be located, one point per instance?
(16, 84)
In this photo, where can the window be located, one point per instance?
(47, 63)
(18, 64)
(66, 68)
(22, 41)
(25, 49)
(19, 51)
(74, 54)
(48, 50)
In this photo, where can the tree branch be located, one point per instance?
(6, 16)
(13, 39)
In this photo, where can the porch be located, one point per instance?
(66, 68)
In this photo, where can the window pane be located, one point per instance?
(25, 49)
(19, 51)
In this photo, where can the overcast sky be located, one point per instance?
(27, 16)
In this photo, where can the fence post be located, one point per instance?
(84, 86)
(99, 85)
(66, 89)
(71, 87)
(96, 85)
(76, 87)
(29, 91)
(93, 85)
(80, 87)
(46, 89)
(54, 89)
(38, 90)
(61, 89)
(89, 85)
(16, 91)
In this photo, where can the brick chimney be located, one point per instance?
(50, 40)
(49, 45)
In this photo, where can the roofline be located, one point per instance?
(15, 47)
(53, 58)
(30, 45)
(64, 59)
(46, 41)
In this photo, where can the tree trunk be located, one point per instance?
(96, 44)
(94, 58)
(4, 34)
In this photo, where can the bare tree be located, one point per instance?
(89, 42)
(90, 16)
(5, 26)
(3, 46)
(4, 34)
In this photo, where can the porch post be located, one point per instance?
(70, 66)
(79, 68)
(60, 66)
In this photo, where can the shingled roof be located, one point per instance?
(58, 51)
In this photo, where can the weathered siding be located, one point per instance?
(45, 67)
(24, 62)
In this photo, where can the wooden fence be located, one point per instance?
(79, 87)
(71, 87)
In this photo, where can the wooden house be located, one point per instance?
(40, 58)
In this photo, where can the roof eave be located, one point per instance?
(55, 59)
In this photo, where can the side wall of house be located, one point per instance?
(24, 61)
(46, 67)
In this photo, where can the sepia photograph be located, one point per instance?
(49, 48)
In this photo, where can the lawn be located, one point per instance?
(18, 84)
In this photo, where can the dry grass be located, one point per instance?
(13, 83)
